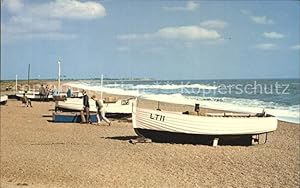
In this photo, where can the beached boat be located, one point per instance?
(3, 99)
(171, 126)
(71, 117)
(76, 104)
(32, 95)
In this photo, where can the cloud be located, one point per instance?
(189, 6)
(295, 47)
(69, 9)
(215, 24)
(266, 46)
(257, 19)
(13, 5)
(246, 12)
(22, 25)
(188, 33)
(261, 20)
(273, 35)
(123, 49)
(45, 20)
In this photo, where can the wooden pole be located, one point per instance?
(16, 83)
(101, 94)
(28, 78)
(58, 84)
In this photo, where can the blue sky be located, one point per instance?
(157, 39)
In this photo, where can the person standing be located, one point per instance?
(100, 110)
(42, 93)
(86, 106)
(69, 92)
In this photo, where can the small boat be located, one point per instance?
(71, 117)
(170, 126)
(3, 99)
(76, 104)
(32, 95)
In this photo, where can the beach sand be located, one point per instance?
(36, 152)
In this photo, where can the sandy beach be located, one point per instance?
(36, 152)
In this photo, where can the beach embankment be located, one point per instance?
(36, 152)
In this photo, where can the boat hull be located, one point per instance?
(3, 99)
(120, 107)
(156, 124)
(33, 96)
(183, 138)
(63, 117)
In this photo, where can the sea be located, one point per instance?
(279, 97)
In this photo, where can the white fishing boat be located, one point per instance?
(166, 125)
(32, 95)
(3, 99)
(76, 104)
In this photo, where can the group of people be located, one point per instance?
(44, 92)
(99, 105)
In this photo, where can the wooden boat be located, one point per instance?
(32, 95)
(3, 99)
(172, 126)
(71, 117)
(75, 104)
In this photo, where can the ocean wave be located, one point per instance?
(115, 91)
(282, 112)
(176, 86)
(164, 86)
(285, 113)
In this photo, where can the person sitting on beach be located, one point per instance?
(100, 110)
(86, 106)
(26, 101)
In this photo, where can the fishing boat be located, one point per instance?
(76, 104)
(160, 125)
(71, 117)
(32, 95)
(3, 99)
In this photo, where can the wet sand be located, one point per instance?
(36, 152)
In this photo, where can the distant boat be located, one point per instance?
(32, 95)
(170, 126)
(3, 99)
(76, 104)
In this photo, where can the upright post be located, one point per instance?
(28, 75)
(58, 80)
(101, 93)
(16, 83)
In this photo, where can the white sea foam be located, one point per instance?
(175, 86)
(116, 91)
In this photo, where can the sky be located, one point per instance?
(160, 39)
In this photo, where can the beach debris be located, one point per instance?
(140, 140)
(22, 184)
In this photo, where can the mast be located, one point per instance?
(101, 94)
(28, 75)
(16, 83)
(58, 84)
